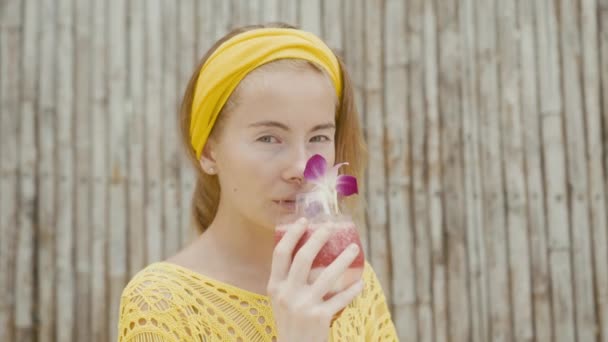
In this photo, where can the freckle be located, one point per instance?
(234, 190)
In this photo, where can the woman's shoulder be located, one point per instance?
(158, 289)
(156, 278)
(154, 301)
(377, 316)
(369, 276)
(373, 291)
(173, 303)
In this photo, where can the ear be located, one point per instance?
(207, 160)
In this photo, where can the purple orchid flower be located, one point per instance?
(328, 182)
(317, 173)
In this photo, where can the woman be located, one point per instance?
(262, 102)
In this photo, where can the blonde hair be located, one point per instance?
(350, 145)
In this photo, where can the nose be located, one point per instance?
(294, 171)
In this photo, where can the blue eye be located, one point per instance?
(320, 138)
(268, 139)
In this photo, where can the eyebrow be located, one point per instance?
(329, 125)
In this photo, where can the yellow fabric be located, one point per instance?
(241, 54)
(165, 302)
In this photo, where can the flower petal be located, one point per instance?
(347, 185)
(335, 169)
(315, 167)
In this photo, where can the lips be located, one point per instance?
(289, 204)
(284, 201)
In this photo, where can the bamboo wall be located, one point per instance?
(487, 121)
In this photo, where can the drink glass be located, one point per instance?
(343, 232)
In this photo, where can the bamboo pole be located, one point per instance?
(399, 182)
(82, 166)
(47, 200)
(514, 171)
(27, 160)
(379, 256)
(472, 140)
(100, 195)
(450, 75)
(135, 112)
(64, 318)
(577, 172)
(354, 54)
(289, 12)
(494, 223)
(310, 16)
(153, 130)
(223, 18)
(16, 302)
(541, 291)
(555, 172)
(118, 220)
(592, 10)
(178, 21)
(333, 25)
(270, 11)
(429, 273)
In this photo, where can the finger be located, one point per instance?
(341, 300)
(302, 262)
(330, 275)
(283, 251)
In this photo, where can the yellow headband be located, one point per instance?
(241, 54)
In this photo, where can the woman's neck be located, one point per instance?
(241, 242)
(236, 247)
(231, 250)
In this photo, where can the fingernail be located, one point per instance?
(353, 248)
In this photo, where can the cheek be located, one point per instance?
(248, 171)
(260, 161)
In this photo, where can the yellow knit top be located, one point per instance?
(167, 302)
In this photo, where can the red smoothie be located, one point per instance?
(343, 234)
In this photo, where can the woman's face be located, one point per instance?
(281, 118)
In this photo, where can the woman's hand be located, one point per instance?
(300, 312)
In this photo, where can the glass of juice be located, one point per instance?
(343, 233)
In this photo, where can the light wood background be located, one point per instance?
(487, 122)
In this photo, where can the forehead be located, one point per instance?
(296, 96)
